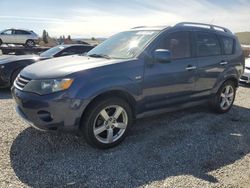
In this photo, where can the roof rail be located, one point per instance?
(214, 27)
(138, 27)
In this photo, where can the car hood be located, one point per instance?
(63, 66)
(10, 58)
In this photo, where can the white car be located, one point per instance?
(18, 36)
(246, 76)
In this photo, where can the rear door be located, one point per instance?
(174, 82)
(210, 60)
(21, 36)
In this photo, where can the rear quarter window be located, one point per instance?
(228, 44)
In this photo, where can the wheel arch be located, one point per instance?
(126, 96)
(232, 78)
(20, 68)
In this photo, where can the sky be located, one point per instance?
(103, 18)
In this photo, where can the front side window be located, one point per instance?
(207, 44)
(178, 44)
(52, 51)
(228, 44)
(7, 32)
(69, 51)
(124, 45)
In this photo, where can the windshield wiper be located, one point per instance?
(100, 56)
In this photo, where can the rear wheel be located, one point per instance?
(224, 99)
(30, 43)
(107, 122)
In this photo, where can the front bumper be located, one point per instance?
(4, 83)
(49, 112)
(246, 76)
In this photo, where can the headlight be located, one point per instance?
(44, 87)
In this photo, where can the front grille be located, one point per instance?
(21, 82)
(244, 78)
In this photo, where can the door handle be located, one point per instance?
(189, 68)
(223, 63)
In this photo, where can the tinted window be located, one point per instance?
(81, 49)
(69, 51)
(21, 32)
(207, 44)
(84, 49)
(178, 44)
(7, 32)
(52, 51)
(228, 44)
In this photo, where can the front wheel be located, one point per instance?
(106, 122)
(224, 99)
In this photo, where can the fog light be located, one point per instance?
(45, 116)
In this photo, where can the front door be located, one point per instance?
(172, 82)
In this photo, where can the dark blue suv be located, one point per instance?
(136, 73)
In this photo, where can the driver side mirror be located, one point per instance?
(162, 56)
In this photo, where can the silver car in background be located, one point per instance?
(246, 76)
(18, 36)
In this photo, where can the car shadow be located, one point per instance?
(190, 142)
(5, 93)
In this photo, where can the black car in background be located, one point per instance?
(10, 65)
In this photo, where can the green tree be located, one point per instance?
(45, 37)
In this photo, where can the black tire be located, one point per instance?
(30, 43)
(14, 75)
(217, 101)
(90, 120)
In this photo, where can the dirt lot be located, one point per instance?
(190, 148)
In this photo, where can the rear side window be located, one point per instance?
(21, 32)
(178, 44)
(207, 44)
(228, 44)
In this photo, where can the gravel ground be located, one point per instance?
(190, 148)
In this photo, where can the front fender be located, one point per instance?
(99, 86)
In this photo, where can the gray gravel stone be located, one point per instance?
(188, 148)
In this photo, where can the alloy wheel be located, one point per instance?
(227, 97)
(110, 124)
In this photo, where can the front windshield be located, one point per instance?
(123, 45)
(52, 51)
